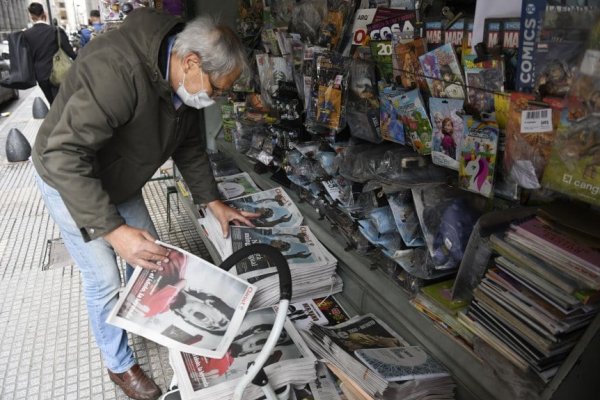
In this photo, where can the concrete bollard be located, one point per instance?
(40, 109)
(17, 146)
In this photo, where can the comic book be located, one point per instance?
(574, 161)
(237, 185)
(216, 378)
(482, 83)
(412, 112)
(407, 69)
(443, 74)
(478, 155)
(447, 125)
(454, 34)
(363, 102)
(556, 63)
(434, 34)
(381, 53)
(492, 32)
(530, 133)
(392, 128)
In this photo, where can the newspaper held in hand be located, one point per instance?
(291, 362)
(402, 363)
(190, 306)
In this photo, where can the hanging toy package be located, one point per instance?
(363, 105)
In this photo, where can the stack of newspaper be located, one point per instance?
(291, 363)
(370, 359)
(312, 266)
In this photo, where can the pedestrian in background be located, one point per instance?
(43, 43)
(95, 27)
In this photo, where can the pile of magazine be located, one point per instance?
(539, 295)
(280, 225)
(291, 363)
(370, 359)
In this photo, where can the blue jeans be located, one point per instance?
(100, 274)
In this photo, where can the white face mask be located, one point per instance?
(196, 100)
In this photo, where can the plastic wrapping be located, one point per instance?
(307, 16)
(363, 104)
(406, 219)
(335, 23)
(222, 165)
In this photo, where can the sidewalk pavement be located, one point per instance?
(46, 347)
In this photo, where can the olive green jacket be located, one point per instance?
(113, 124)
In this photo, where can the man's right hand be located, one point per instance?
(137, 247)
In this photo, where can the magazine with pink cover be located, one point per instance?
(191, 305)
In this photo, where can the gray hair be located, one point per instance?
(219, 48)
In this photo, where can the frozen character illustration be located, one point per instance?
(438, 119)
(448, 143)
(477, 171)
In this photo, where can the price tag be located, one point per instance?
(536, 121)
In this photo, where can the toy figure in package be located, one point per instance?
(329, 87)
(447, 124)
(529, 137)
(414, 118)
(442, 72)
(407, 69)
(381, 52)
(363, 104)
(478, 155)
(391, 123)
(574, 164)
(331, 32)
(406, 219)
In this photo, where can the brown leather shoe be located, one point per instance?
(136, 384)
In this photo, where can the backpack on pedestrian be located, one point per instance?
(22, 73)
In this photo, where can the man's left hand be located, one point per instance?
(226, 214)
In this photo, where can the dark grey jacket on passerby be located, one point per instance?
(113, 124)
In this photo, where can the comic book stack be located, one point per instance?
(370, 359)
(540, 293)
(279, 224)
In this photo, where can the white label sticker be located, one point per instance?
(536, 121)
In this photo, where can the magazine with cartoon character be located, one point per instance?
(478, 155)
(381, 53)
(447, 125)
(481, 85)
(407, 70)
(291, 362)
(443, 74)
(411, 110)
(391, 123)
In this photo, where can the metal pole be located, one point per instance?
(49, 12)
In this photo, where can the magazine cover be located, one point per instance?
(200, 376)
(391, 123)
(407, 69)
(434, 34)
(417, 127)
(275, 207)
(478, 156)
(402, 363)
(447, 125)
(381, 52)
(332, 310)
(403, 22)
(236, 185)
(362, 19)
(298, 245)
(443, 74)
(190, 306)
(304, 313)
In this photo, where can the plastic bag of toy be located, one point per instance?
(327, 109)
(363, 104)
(403, 167)
(336, 22)
(307, 16)
(406, 219)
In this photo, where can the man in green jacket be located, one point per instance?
(128, 104)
